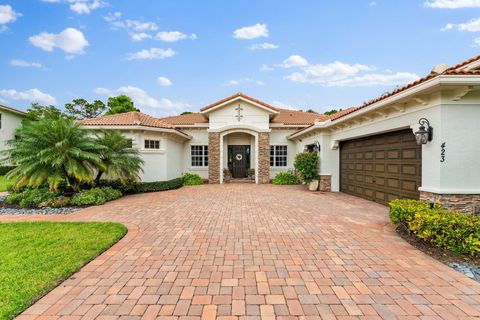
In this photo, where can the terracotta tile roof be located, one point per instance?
(127, 119)
(186, 119)
(464, 63)
(341, 113)
(239, 94)
(450, 71)
(294, 117)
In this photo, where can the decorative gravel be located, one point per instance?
(467, 269)
(24, 211)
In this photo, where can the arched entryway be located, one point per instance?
(239, 154)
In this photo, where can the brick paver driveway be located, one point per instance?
(258, 251)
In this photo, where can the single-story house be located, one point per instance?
(10, 119)
(418, 141)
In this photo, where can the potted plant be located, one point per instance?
(227, 175)
(251, 173)
(306, 164)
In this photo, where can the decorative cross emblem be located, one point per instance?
(239, 110)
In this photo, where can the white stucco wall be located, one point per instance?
(252, 116)
(199, 137)
(10, 122)
(279, 137)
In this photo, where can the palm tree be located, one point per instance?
(54, 152)
(121, 162)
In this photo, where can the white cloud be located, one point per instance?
(372, 4)
(348, 75)
(237, 82)
(152, 53)
(164, 82)
(376, 79)
(265, 68)
(144, 101)
(25, 64)
(170, 36)
(256, 31)
(81, 6)
(32, 95)
(139, 36)
(452, 4)
(263, 46)
(470, 26)
(69, 40)
(137, 30)
(85, 6)
(294, 61)
(7, 15)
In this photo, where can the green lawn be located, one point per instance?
(36, 256)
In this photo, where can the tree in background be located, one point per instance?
(120, 161)
(82, 109)
(185, 112)
(120, 104)
(39, 112)
(333, 111)
(311, 111)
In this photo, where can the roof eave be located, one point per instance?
(136, 127)
(13, 110)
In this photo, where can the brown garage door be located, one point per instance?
(381, 167)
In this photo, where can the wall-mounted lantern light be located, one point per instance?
(424, 133)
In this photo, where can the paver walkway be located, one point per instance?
(242, 251)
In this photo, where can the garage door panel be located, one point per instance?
(381, 168)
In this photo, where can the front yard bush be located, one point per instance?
(111, 194)
(191, 179)
(95, 196)
(31, 197)
(5, 169)
(455, 231)
(306, 164)
(158, 185)
(285, 178)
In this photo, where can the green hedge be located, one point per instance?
(31, 197)
(455, 231)
(306, 164)
(95, 196)
(191, 179)
(5, 169)
(157, 185)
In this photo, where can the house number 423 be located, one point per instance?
(442, 152)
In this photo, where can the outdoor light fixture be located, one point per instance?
(424, 133)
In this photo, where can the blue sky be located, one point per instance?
(173, 56)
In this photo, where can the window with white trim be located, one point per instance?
(278, 156)
(152, 144)
(199, 156)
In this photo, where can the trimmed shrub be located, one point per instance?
(5, 169)
(403, 210)
(306, 164)
(454, 231)
(111, 194)
(191, 179)
(94, 196)
(285, 178)
(59, 202)
(158, 185)
(31, 197)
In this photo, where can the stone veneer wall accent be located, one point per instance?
(264, 157)
(214, 157)
(469, 203)
(325, 183)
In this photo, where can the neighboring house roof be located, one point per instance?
(13, 110)
(237, 95)
(134, 118)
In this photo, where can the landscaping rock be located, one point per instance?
(25, 211)
(467, 269)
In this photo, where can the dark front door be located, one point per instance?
(239, 160)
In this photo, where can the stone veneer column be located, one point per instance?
(264, 157)
(214, 157)
(325, 184)
(469, 203)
